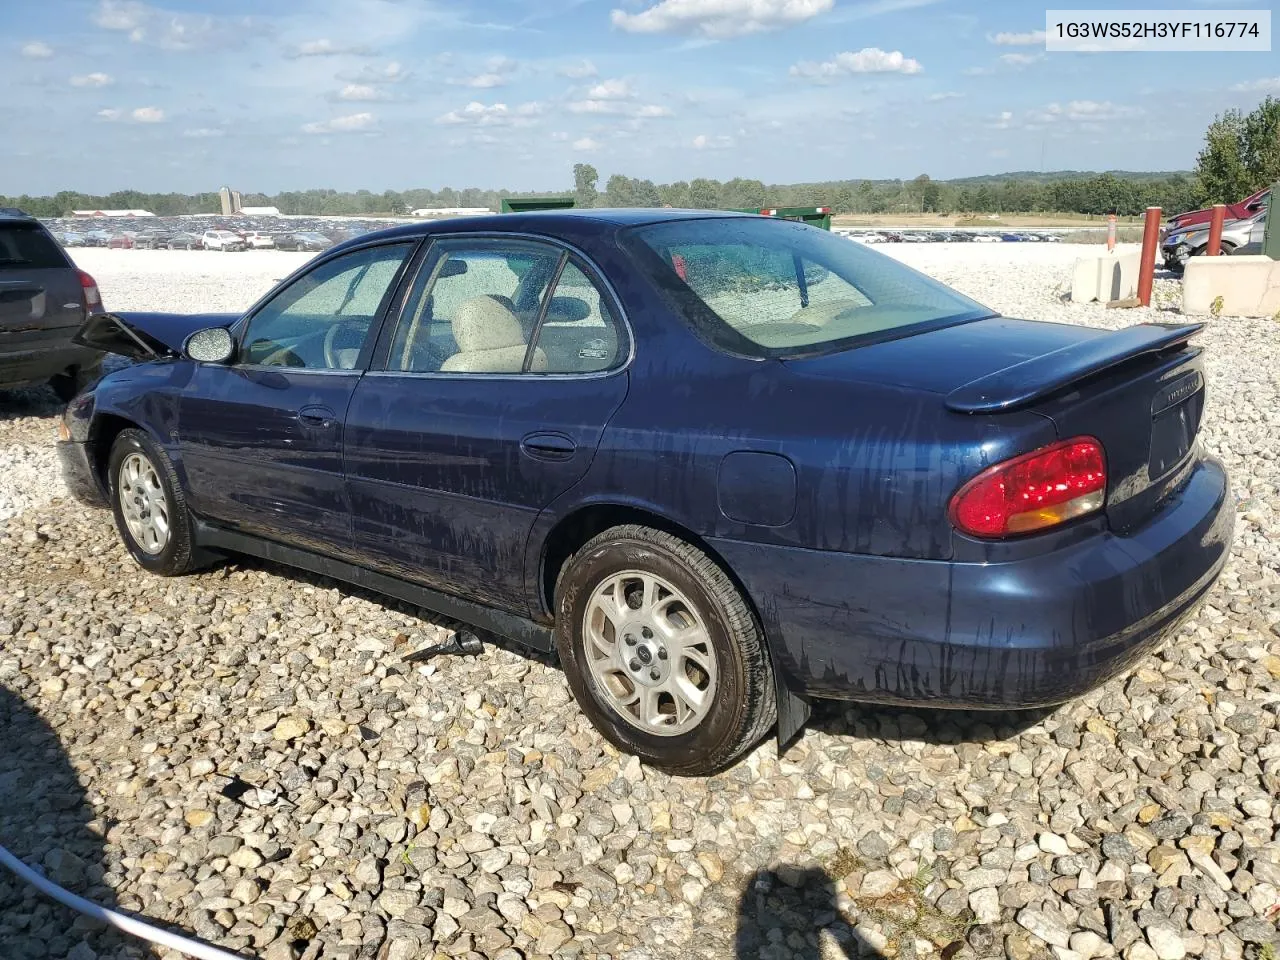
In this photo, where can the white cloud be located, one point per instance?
(619, 108)
(1032, 38)
(610, 90)
(1004, 121)
(492, 115)
(121, 15)
(37, 50)
(349, 124)
(393, 72)
(720, 19)
(579, 71)
(559, 136)
(948, 95)
(327, 48)
(1021, 59)
(496, 73)
(201, 133)
(92, 80)
(361, 92)
(1082, 112)
(137, 115)
(1262, 85)
(586, 145)
(866, 60)
(704, 142)
(171, 30)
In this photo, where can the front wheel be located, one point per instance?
(150, 510)
(662, 652)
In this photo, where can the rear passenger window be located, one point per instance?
(579, 333)
(27, 246)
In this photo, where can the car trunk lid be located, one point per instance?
(1140, 390)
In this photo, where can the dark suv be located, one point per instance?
(43, 301)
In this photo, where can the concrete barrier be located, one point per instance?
(1248, 286)
(1107, 277)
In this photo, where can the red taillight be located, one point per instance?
(1038, 490)
(89, 290)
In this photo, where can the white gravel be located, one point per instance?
(467, 809)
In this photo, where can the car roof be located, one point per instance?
(12, 214)
(547, 222)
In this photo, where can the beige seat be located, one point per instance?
(490, 340)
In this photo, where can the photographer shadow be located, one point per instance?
(793, 913)
(48, 824)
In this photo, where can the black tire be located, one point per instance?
(744, 704)
(67, 386)
(179, 556)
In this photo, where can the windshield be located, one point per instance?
(774, 288)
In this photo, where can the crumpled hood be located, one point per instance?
(146, 336)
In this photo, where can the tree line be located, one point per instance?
(1241, 155)
(1125, 194)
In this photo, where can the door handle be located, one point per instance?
(548, 446)
(317, 416)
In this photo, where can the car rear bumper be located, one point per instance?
(31, 361)
(1027, 633)
(75, 460)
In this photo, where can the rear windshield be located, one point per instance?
(775, 288)
(27, 246)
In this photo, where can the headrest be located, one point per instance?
(485, 323)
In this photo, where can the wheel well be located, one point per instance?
(576, 529)
(106, 428)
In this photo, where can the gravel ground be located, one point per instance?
(244, 754)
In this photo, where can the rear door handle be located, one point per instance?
(317, 416)
(548, 446)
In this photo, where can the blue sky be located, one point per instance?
(186, 95)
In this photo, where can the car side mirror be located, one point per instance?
(210, 345)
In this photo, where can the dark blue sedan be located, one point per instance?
(721, 464)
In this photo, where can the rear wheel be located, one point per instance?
(662, 652)
(150, 510)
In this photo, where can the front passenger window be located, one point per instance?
(322, 320)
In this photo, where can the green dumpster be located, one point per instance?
(1271, 238)
(530, 204)
(814, 216)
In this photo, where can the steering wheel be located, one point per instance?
(343, 355)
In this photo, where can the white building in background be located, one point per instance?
(89, 214)
(260, 211)
(451, 212)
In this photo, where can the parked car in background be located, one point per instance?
(70, 239)
(224, 240)
(185, 241)
(483, 418)
(97, 238)
(1182, 245)
(303, 241)
(257, 240)
(1243, 210)
(44, 300)
(122, 241)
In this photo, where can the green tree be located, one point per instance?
(585, 179)
(1220, 167)
(1260, 147)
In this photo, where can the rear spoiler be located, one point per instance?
(1034, 379)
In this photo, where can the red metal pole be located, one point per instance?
(1111, 233)
(1147, 265)
(1215, 230)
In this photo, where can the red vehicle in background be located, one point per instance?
(1243, 210)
